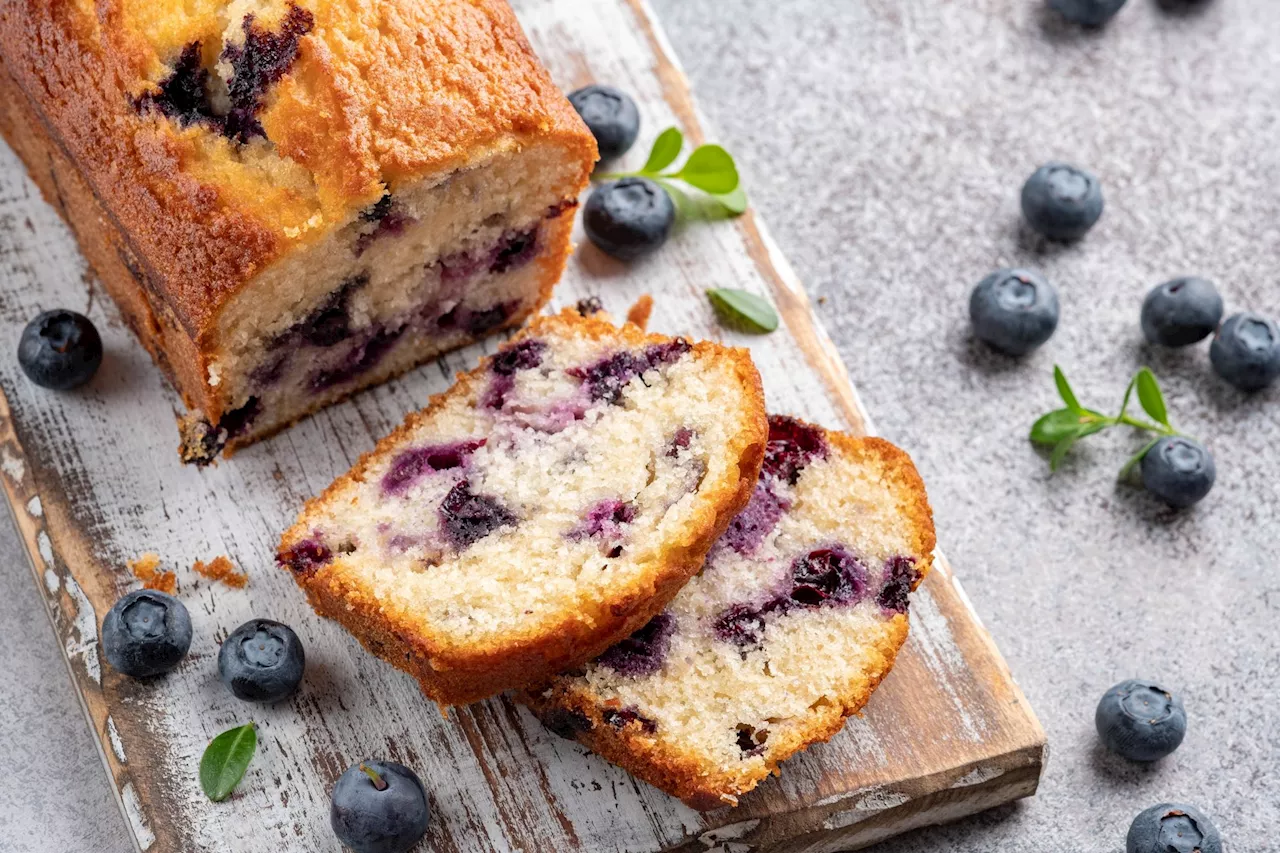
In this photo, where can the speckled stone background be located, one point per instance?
(885, 142)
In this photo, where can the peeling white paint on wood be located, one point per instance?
(500, 782)
(117, 745)
(12, 465)
(85, 625)
(142, 834)
(977, 776)
(728, 833)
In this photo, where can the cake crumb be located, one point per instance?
(639, 313)
(147, 569)
(221, 569)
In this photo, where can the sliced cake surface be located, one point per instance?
(547, 506)
(291, 200)
(792, 623)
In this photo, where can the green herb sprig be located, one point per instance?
(709, 168)
(1062, 428)
(743, 309)
(226, 759)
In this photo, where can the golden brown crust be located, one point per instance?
(454, 675)
(573, 711)
(369, 104)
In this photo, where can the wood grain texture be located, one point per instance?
(94, 480)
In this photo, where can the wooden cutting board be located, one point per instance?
(93, 479)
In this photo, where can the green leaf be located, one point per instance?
(740, 308)
(1064, 389)
(1136, 458)
(735, 202)
(225, 760)
(1060, 451)
(1150, 397)
(1055, 426)
(1128, 392)
(666, 148)
(685, 206)
(710, 168)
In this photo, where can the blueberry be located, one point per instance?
(1181, 312)
(629, 218)
(388, 814)
(1140, 721)
(1179, 471)
(1061, 202)
(60, 349)
(1169, 828)
(146, 633)
(1014, 310)
(610, 115)
(644, 651)
(1246, 351)
(262, 661)
(1087, 13)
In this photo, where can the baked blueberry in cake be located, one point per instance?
(789, 627)
(545, 508)
(291, 200)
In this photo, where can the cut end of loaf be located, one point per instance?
(546, 507)
(425, 270)
(796, 617)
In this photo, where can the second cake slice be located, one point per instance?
(547, 506)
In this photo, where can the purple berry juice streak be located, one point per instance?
(608, 378)
(756, 521)
(822, 578)
(408, 468)
(466, 517)
(256, 65)
(901, 576)
(644, 651)
(306, 557)
(605, 520)
(792, 446)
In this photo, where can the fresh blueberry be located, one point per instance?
(146, 633)
(1169, 828)
(262, 661)
(1014, 310)
(1140, 721)
(610, 115)
(1178, 470)
(1087, 13)
(629, 218)
(1181, 312)
(60, 350)
(1246, 351)
(1061, 202)
(379, 807)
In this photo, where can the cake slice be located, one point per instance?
(291, 200)
(547, 506)
(790, 626)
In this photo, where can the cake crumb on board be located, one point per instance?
(221, 569)
(147, 569)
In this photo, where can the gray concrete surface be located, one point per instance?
(885, 142)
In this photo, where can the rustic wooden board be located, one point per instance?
(93, 480)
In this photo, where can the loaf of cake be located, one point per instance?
(547, 506)
(294, 199)
(790, 626)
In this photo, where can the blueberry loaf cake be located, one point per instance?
(792, 623)
(547, 506)
(293, 199)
